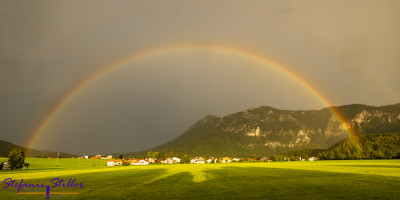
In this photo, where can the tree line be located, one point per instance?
(16, 160)
(370, 146)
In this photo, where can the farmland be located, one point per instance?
(351, 179)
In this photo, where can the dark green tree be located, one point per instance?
(331, 155)
(255, 156)
(170, 154)
(156, 154)
(150, 154)
(16, 158)
(26, 165)
(185, 159)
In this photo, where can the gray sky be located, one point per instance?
(348, 50)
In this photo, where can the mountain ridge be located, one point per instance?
(269, 131)
(6, 147)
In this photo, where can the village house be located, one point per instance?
(162, 161)
(250, 159)
(265, 159)
(115, 162)
(235, 159)
(312, 158)
(166, 161)
(140, 162)
(109, 157)
(175, 160)
(226, 160)
(197, 160)
(134, 162)
(143, 162)
(95, 157)
(210, 160)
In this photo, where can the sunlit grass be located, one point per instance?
(362, 179)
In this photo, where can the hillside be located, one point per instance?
(372, 146)
(268, 131)
(5, 148)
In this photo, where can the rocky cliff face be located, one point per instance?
(268, 131)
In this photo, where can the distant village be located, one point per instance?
(153, 158)
(111, 161)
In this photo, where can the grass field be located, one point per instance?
(361, 179)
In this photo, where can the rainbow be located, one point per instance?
(239, 52)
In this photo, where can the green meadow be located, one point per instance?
(345, 179)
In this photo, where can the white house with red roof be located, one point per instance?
(197, 160)
(312, 158)
(236, 159)
(143, 162)
(173, 160)
(115, 162)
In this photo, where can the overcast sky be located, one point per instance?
(348, 50)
